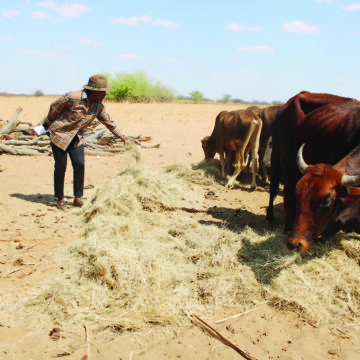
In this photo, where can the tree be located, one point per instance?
(38, 93)
(226, 98)
(196, 96)
(138, 87)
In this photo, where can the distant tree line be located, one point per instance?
(138, 87)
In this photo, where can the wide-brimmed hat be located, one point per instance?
(98, 83)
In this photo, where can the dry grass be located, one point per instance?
(143, 262)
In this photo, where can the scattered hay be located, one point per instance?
(143, 262)
(206, 172)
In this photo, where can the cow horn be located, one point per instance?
(350, 180)
(300, 160)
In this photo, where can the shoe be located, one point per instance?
(78, 202)
(60, 204)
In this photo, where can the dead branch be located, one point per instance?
(19, 140)
(23, 150)
(11, 125)
(211, 331)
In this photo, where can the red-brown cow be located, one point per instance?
(325, 199)
(237, 131)
(330, 127)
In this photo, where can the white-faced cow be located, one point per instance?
(237, 131)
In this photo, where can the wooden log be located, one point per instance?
(10, 126)
(21, 150)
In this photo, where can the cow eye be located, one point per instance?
(326, 203)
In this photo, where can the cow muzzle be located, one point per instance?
(298, 245)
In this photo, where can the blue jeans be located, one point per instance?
(77, 157)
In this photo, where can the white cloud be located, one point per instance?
(47, 4)
(171, 60)
(40, 15)
(44, 54)
(89, 42)
(238, 27)
(143, 19)
(134, 20)
(256, 49)
(71, 10)
(130, 56)
(343, 79)
(325, 1)
(164, 23)
(62, 46)
(5, 37)
(299, 26)
(10, 13)
(353, 7)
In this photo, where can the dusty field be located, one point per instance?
(34, 230)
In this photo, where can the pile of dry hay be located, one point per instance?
(143, 262)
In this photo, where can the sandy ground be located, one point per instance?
(33, 230)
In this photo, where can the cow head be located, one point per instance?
(209, 147)
(324, 197)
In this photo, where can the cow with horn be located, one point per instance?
(325, 198)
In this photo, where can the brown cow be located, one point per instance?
(325, 199)
(237, 131)
(330, 127)
(267, 116)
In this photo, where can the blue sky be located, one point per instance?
(250, 49)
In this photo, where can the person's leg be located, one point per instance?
(77, 156)
(60, 158)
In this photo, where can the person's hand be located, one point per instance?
(123, 138)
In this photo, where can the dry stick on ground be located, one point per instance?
(238, 315)
(210, 330)
(86, 356)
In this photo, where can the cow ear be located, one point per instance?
(353, 191)
(341, 191)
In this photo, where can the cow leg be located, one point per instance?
(254, 167)
(255, 152)
(228, 161)
(222, 163)
(239, 164)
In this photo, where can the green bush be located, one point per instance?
(138, 87)
(196, 96)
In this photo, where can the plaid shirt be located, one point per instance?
(70, 114)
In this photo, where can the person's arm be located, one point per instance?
(55, 109)
(105, 119)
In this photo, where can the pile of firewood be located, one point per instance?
(19, 138)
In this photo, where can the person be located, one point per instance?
(65, 123)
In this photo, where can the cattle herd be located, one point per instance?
(315, 153)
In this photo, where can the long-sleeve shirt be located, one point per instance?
(70, 114)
